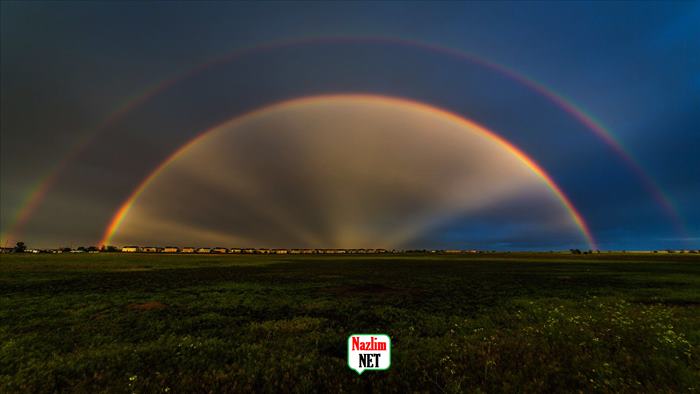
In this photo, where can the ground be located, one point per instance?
(493, 323)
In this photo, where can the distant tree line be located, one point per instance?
(21, 247)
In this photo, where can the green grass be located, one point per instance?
(494, 323)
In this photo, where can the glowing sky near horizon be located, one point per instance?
(340, 172)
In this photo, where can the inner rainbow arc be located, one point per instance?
(573, 213)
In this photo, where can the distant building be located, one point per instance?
(188, 249)
(151, 249)
(203, 250)
(235, 250)
(171, 249)
(281, 251)
(219, 250)
(131, 249)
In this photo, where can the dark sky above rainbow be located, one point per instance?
(512, 126)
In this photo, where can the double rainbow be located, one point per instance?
(43, 186)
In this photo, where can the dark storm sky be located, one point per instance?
(66, 67)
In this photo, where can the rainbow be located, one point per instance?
(575, 215)
(38, 192)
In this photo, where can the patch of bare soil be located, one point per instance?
(147, 306)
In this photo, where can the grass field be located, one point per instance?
(493, 323)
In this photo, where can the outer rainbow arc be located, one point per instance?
(42, 187)
(577, 113)
(44, 184)
(575, 215)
